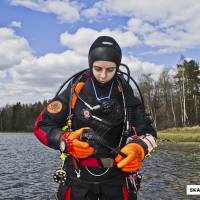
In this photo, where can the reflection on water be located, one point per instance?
(26, 169)
(171, 168)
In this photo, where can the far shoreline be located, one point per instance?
(186, 134)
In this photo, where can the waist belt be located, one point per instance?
(94, 162)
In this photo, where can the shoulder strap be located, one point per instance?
(78, 88)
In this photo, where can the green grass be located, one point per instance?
(196, 156)
(187, 134)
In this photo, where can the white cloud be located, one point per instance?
(13, 48)
(38, 78)
(90, 13)
(65, 10)
(83, 38)
(146, 9)
(139, 27)
(16, 24)
(172, 26)
(28, 78)
(53, 66)
(139, 67)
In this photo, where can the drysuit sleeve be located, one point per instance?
(141, 122)
(143, 130)
(48, 126)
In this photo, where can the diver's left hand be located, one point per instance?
(133, 160)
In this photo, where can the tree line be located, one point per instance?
(173, 101)
(20, 117)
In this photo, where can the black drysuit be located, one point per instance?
(95, 182)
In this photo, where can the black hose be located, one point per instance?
(104, 143)
(137, 86)
(128, 72)
(75, 75)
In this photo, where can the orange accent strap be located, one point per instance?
(78, 88)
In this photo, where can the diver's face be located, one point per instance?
(104, 71)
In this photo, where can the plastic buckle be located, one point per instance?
(107, 162)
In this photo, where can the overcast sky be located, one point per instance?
(43, 42)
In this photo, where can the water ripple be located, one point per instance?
(27, 166)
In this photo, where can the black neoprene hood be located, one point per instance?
(105, 48)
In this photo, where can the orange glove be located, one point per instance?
(135, 155)
(75, 147)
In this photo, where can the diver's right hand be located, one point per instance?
(74, 146)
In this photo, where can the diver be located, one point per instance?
(100, 127)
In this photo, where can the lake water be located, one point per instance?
(26, 168)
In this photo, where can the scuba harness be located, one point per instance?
(60, 175)
(74, 95)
